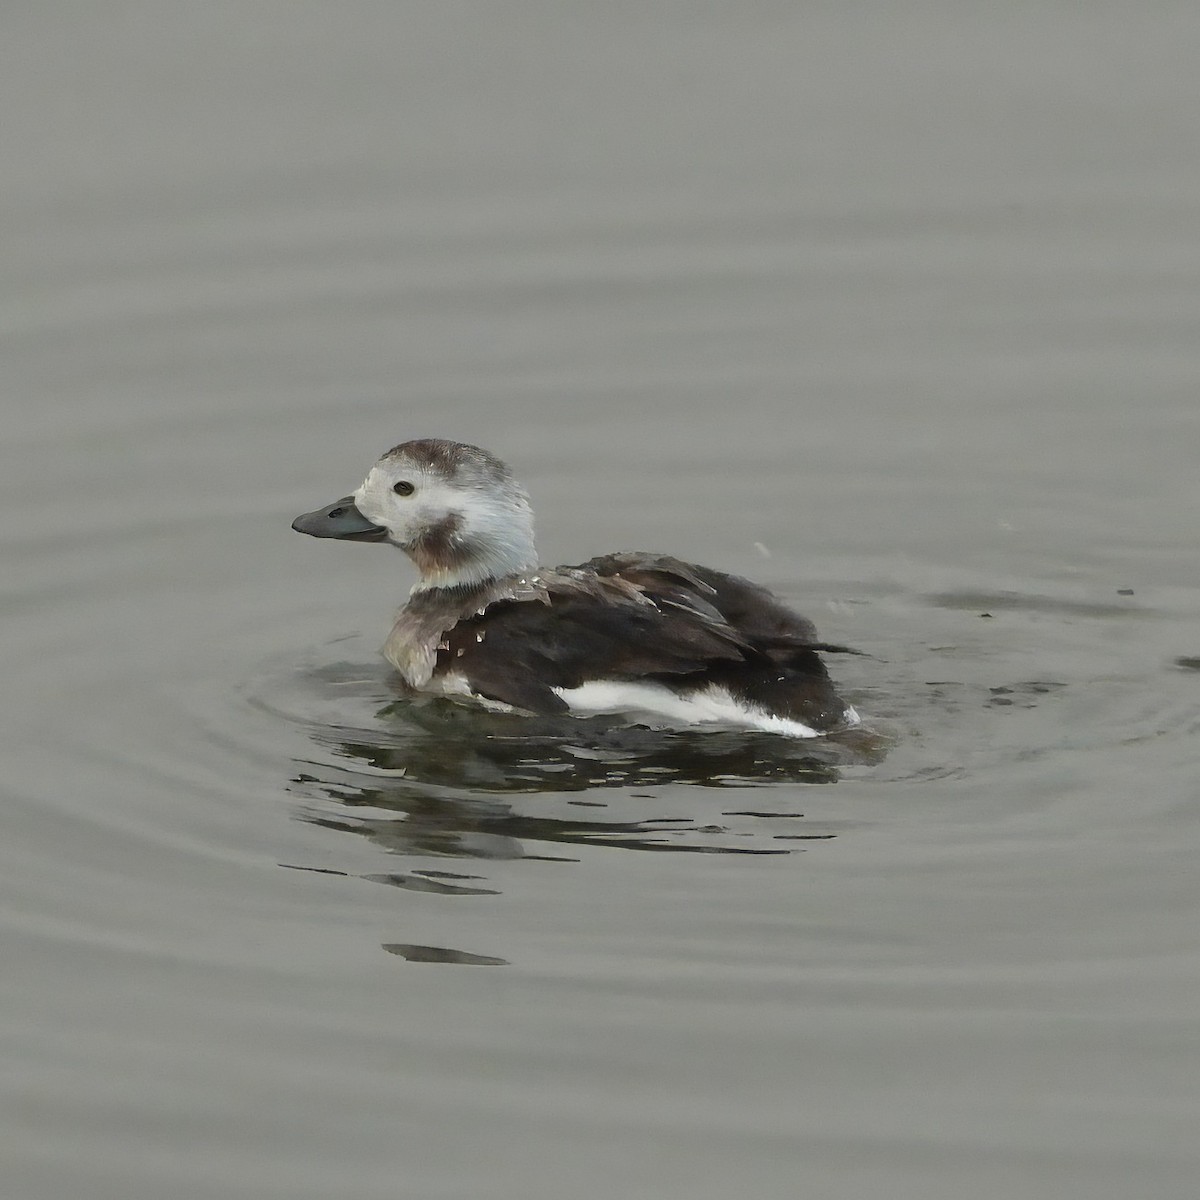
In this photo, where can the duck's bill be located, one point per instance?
(341, 519)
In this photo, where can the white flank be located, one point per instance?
(711, 705)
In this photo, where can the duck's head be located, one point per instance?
(454, 509)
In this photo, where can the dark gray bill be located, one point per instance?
(341, 519)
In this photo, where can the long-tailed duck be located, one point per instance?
(631, 633)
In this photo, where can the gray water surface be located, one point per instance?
(894, 308)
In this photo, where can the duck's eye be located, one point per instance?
(403, 488)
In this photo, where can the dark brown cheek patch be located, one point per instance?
(440, 548)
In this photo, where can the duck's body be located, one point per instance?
(634, 632)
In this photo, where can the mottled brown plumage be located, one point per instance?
(642, 617)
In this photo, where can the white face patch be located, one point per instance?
(491, 521)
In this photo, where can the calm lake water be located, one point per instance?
(895, 308)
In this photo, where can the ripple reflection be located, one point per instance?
(435, 778)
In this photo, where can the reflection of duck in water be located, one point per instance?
(635, 632)
(439, 779)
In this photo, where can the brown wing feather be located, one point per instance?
(518, 650)
(638, 616)
(756, 614)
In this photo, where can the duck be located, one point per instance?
(635, 633)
